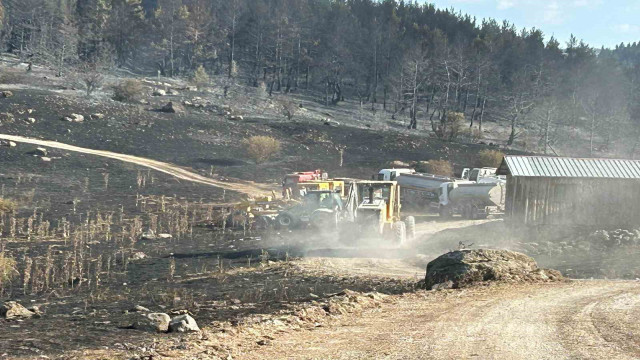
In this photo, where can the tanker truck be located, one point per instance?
(471, 200)
(421, 191)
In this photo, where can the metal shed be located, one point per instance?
(545, 190)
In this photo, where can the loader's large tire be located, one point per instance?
(410, 224)
(399, 232)
(284, 221)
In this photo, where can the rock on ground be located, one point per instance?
(13, 310)
(154, 322)
(183, 323)
(6, 94)
(465, 267)
(172, 108)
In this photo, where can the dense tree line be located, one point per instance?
(409, 59)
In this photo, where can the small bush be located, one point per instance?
(261, 148)
(490, 158)
(288, 108)
(128, 90)
(451, 127)
(200, 78)
(7, 269)
(7, 205)
(440, 167)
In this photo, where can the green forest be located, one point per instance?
(443, 71)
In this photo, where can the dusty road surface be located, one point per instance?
(576, 320)
(244, 187)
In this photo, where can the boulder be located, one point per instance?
(465, 267)
(13, 310)
(164, 236)
(173, 92)
(183, 323)
(154, 322)
(6, 94)
(159, 92)
(46, 159)
(96, 116)
(30, 120)
(173, 108)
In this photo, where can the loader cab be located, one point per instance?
(322, 200)
(380, 196)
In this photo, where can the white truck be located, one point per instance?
(392, 174)
(482, 175)
(472, 200)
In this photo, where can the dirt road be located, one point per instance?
(577, 320)
(244, 187)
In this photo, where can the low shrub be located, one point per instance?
(261, 148)
(128, 90)
(440, 167)
(490, 158)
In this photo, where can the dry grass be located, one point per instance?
(8, 269)
(440, 167)
(7, 205)
(261, 148)
(490, 158)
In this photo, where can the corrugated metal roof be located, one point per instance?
(544, 166)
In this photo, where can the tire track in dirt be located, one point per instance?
(241, 186)
(576, 320)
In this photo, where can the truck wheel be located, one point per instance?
(444, 212)
(410, 224)
(399, 232)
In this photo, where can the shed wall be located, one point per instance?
(573, 201)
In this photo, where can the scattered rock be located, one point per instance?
(96, 116)
(7, 118)
(155, 322)
(138, 255)
(173, 92)
(140, 308)
(164, 236)
(8, 143)
(173, 108)
(73, 118)
(159, 92)
(30, 120)
(400, 164)
(183, 323)
(465, 267)
(40, 151)
(6, 94)
(46, 159)
(35, 309)
(13, 310)
(236, 117)
(148, 235)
